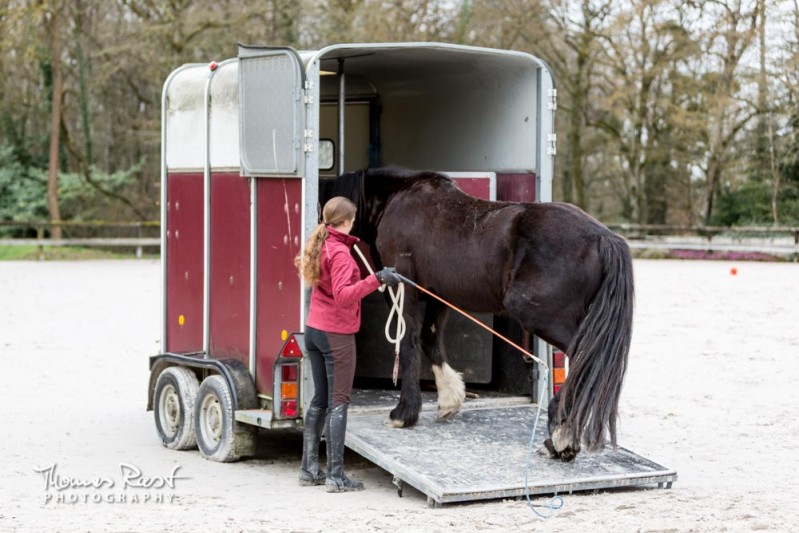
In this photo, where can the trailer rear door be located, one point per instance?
(271, 106)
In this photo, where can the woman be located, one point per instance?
(333, 319)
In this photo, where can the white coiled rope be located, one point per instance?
(397, 304)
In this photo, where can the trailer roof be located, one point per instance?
(397, 60)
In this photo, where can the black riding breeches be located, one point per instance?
(332, 357)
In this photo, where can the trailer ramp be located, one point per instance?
(481, 453)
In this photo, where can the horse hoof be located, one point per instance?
(568, 455)
(445, 414)
(543, 452)
(403, 417)
(548, 450)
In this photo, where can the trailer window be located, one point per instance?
(327, 154)
(271, 110)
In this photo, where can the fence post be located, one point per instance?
(40, 238)
(138, 236)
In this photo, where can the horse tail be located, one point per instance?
(598, 352)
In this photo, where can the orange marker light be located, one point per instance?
(559, 370)
(288, 390)
(733, 271)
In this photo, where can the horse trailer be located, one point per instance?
(245, 144)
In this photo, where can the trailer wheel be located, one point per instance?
(173, 402)
(216, 432)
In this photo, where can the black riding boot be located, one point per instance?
(310, 473)
(336, 430)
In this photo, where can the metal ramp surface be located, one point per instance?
(481, 453)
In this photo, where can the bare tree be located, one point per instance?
(727, 112)
(55, 14)
(643, 98)
(575, 63)
(655, 107)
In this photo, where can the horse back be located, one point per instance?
(454, 244)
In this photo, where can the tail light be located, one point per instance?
(560, 369)
(287, 379)
(291, 348)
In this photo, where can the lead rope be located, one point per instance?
(397, 305)
(556, 502)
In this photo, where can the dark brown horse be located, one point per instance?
(561, 274)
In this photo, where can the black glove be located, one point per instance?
(388, 276)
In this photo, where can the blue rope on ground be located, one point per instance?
(556, 502)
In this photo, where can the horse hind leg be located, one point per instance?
(563, 442)
(449, 383)
(554, 323)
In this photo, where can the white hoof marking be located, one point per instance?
(561, 438)
(451, 390)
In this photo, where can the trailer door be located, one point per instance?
(271, 105)
(271, 144)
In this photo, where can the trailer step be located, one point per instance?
(264, 418)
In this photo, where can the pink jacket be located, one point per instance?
(336, 300)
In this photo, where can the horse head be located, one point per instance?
(370, 190)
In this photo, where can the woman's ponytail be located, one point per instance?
(309, 261)
(337, 210)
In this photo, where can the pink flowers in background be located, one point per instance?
(722, 256)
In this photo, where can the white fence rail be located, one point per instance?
(782, 241)
(138, 240)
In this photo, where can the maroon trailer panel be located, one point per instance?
(477, 187)
(184, 278)
(278, 293)
(230, 267)
(516, 187)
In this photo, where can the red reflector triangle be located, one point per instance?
(291, 348)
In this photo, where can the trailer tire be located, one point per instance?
(214, 422)
(173, 407)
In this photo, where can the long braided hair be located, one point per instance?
(337, 210)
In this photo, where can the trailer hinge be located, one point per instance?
(552, 104)
(308, 146)
(308, 100)
(552, 144)
(308, 85)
